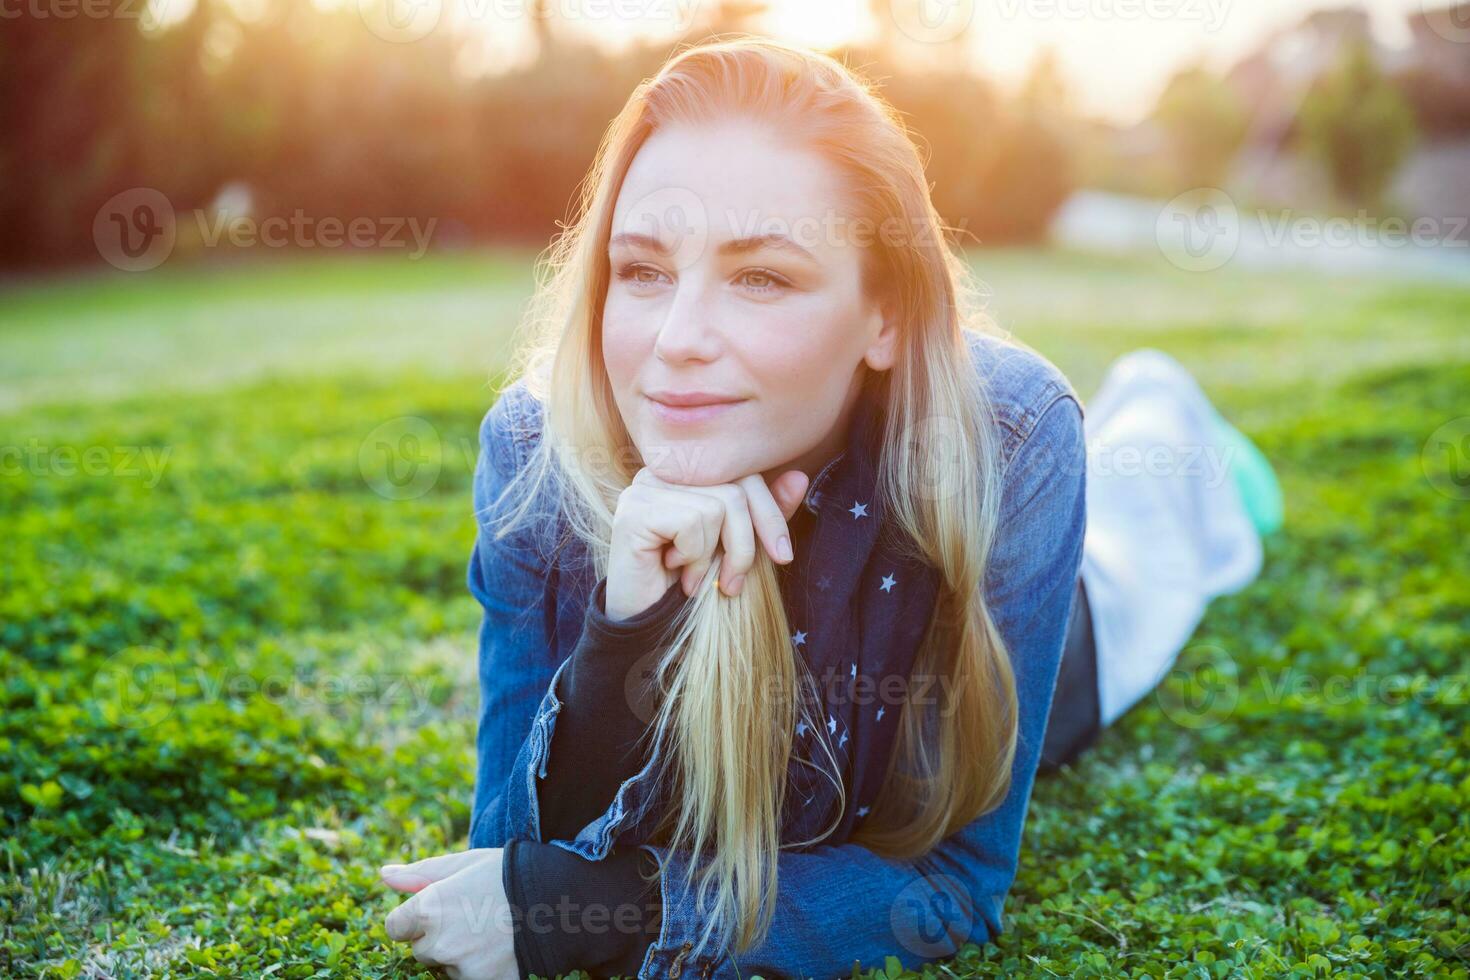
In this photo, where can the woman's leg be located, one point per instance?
(1177, 503)
(1168, 526)
(1074, 722)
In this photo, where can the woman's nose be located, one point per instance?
(689, 331)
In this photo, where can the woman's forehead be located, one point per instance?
(731, 182)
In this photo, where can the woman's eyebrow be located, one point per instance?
(634, 239)
(735, 246)
(739, 246)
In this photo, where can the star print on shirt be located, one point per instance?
(843, 739)
(862, 811)
(799, 638)
(831, 724)
(824, 583)
(881, 709)
(858, 510)
(800, 728)
(888, 583)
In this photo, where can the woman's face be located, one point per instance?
(735, 275)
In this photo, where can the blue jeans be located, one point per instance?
(1075, 720)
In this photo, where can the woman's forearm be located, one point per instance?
(596, 746)
(574, 913)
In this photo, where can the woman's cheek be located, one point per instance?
(800, 344)
(623, 344)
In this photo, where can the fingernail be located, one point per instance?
(735, 583)
(783, 548)
(390, 869)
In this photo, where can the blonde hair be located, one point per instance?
(732, 682)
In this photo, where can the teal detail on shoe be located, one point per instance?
(1260, 491)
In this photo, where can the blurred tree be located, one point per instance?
(1044, 91)
(998, 172)
(70, 129)
(924, 34)
(542, 27)
(1358, 125)
(318, 114)
(302, 109)
(727, 17)
(1204, 122)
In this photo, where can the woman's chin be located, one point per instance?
(692, 463)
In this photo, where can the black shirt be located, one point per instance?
(595, 748)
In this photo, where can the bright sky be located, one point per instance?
(1116, 54)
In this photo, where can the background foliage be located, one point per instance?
(235, 682)
(311, 112)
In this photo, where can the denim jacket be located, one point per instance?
(836, 902)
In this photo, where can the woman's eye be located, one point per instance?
(641, 275)
(763, 280)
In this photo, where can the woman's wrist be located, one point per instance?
(619, 607)
(617, 623)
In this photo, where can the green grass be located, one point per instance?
(237, 677)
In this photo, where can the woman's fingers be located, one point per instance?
(418, 875)
(462, 922)
(724, 507)
(678, 525)
(736, 534)
(789, 491)
(734, 514)
(769, 514)
(423, 951)
(712, 521)
(405, 924)
(690, 524)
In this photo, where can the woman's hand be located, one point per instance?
(459, 917)
(661, 527)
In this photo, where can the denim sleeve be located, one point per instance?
(511, 579)
(600, 740)
(522, 678)
(841, 903)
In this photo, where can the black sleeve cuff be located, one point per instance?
(574, 914)
(528, 952)
(610, 698)
(597, 683)
(645, 626)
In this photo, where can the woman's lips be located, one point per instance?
(690, 414)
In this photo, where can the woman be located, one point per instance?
(779, 554)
